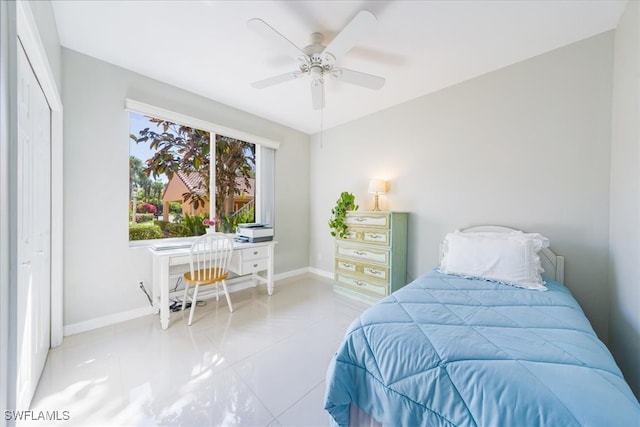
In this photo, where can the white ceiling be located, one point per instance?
(419, 46)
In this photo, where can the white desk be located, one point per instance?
(247, 258)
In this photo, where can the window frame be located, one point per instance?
(133, 106)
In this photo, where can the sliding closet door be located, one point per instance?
(34, 232)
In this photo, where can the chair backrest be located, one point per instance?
(210, 252)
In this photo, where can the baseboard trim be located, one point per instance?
(111, 319)
(322, 273)
(292, 273)
(234, 286)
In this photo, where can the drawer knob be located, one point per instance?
(360, 253)
(255, 252)
(359, 219)
(255, 265)
(359, 283)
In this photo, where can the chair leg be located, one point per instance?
(217, 291)
(226, 294)
(194, 301)
(186, 294)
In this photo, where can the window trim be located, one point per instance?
(164, 114)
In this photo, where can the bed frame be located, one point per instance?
(553, 264)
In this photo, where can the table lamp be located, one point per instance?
(377, 187)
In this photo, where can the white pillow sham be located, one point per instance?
(511, 258)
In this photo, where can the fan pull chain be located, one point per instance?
(322, 123)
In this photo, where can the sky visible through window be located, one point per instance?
(137, 122)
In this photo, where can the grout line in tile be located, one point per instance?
(301, 398)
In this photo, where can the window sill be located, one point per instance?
(149, 243)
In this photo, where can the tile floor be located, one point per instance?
(262, 365)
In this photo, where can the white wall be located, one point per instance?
(101, 271)
(526, 146)
(624, 234)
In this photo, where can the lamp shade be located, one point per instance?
(377, 186)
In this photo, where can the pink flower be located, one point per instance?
(146, 208)
(210, 222)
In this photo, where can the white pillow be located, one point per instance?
(511, 258)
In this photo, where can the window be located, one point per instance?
(181, 175)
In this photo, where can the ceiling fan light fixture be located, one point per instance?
(316, 76)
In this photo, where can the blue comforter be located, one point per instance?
(450, 351)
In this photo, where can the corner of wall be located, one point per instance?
(624, 207)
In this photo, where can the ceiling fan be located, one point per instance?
(317, 60)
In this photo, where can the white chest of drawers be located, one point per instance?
(371, 261)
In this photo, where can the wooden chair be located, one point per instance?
(209, 259)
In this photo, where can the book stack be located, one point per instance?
(254, 232)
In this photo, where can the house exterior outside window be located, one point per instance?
(177, 180)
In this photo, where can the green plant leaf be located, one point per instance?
(337, 223)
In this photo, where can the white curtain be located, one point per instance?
(265, 203)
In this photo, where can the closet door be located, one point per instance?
(33, 232)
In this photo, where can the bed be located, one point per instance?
(456, 349)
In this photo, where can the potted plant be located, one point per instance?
(337, 223)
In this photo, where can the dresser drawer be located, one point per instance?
(368, 235)
(361, 253)
(380, 273)
(255, 253)
(371, 219)
(179, 260)
(361, 285)
(366, 271)
(253, 266)
(345, 265)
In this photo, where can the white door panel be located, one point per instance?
(34, 232)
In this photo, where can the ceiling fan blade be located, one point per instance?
(261, 84)
(357, 78)
(270, 33)
(317, 95)
(363, 23)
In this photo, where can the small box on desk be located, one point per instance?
(254, 233)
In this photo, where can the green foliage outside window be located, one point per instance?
(145, 231)
(181, 148)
